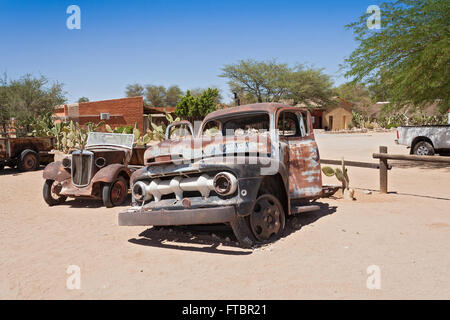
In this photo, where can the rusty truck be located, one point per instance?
(25, 153)
(249, 166)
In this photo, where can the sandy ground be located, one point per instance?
(323, 255)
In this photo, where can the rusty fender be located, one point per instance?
(110, 173)
(55, 171)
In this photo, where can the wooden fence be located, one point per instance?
(383, 166)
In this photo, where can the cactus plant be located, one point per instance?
(342, 175)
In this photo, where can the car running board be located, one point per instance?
(302, 209)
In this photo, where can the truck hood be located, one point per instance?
(170, 151)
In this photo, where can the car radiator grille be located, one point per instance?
(82, 168)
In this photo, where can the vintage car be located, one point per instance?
(101, 171)
(249, 166)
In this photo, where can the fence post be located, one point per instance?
(383, 171)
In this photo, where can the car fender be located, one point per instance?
(110, 173)
(55, 171)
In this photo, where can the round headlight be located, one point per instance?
(225, 183)
(100, 162)
(66, 163)
(140, 193)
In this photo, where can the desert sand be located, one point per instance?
(323, 254)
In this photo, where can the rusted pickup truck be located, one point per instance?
(249, 166)
(101, 171)
(26, 153)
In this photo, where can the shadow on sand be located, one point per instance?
(403, 164)
(92, 203)
(218, 239)
(16, 172)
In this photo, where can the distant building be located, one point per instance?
(115, 112)
(334, 117)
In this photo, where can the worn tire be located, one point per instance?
(242, 227)
(48, 197)
(243, 233)
(28, 161)
(423, 148)
(110, 190)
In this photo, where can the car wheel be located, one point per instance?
(51, 192)
(114, 194)
(28, 161)
(423, 148)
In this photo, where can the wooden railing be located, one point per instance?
(383, 164)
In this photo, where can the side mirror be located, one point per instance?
(183, 123)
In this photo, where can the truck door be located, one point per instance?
(305, 178)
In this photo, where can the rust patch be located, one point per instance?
(55, 171)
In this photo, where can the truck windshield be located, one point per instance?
(239, 125)
(110, 139)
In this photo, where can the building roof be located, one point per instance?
(150, 109)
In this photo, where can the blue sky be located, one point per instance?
(183, 42)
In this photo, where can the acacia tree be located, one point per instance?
(265, 80)
(269, 81)
(173, 95)
(5, 109)
(408, 60)
(134, 90)
(30, 97)
(357, 93)
(156, 95)
(309, 85)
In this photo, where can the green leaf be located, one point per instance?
(328, 171)
(137, 134)
(339, 175)
(108, 128)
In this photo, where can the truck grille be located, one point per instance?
(82, 163)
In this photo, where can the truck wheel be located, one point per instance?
(242, 231)
(423, 148)
(51, 193)
(265, 223)
(28, 161)
(267, 219)
(114, 194)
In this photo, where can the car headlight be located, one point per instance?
(100, 162)
(140, 192)
(67, 163)
(225, 183)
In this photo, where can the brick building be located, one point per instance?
(115, 112)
